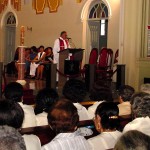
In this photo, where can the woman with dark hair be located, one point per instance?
(12, 115)
(14, 92)
(99, 93)
(44, 100)
(49, 55)
(106, 122)
(63, 118)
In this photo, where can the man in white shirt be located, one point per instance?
(75, 91)
(14, 92)
(60, 44)
(140, 104)
(63, 119)
(125, 92)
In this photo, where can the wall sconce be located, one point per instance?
(29, 28)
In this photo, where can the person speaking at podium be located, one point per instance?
(60, 44)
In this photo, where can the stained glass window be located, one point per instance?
(99, 10)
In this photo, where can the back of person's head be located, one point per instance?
(108, 113)
(11, 139)
(133, 140)
(11, 113)
(74, 90)
(63, 116)
(145, 88)
(44, 99)
(14, 91)
(140, 104)
(125, 92)
(100, 91)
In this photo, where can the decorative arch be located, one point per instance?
(7, 11)
(89, 4)
(86, 44)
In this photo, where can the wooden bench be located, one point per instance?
(46, 134)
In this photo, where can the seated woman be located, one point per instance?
(36, 64)
(43, 101)
(75, 91)
(11, 114)
(49, 55)
(106, 122)
(99, 93)
(63, 119)
(14, 92)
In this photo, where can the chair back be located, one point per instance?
(116, 56)
(93, 56)
(105, 58)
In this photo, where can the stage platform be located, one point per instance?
(32, 86)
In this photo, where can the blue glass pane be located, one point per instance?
(106, 11)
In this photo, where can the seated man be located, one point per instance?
(75, 91)
(14, 92)
(140, 104)
(125, 92)
(63, 119)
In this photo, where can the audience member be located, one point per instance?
(11, 139)
(99, 93)
(75, 91)
(14, 92)
(63, 119)
(133, 140)
(12, 114)
(27, 60)
(140, 104)
(44, 99)
(36, 64)
(145, 88)
(106, 122)
(125, 92)
(49, 55)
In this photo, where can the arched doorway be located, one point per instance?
(98, 24)
(95, 16)
(10, 37)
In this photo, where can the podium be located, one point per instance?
(69, 63)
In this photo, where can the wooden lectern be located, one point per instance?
(70, 55)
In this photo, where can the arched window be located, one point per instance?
(11, 20)
(99, 11)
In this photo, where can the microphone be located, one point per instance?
(68, 38)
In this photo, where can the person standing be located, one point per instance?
(60, 44)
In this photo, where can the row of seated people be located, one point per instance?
(106, 115)
(35, 61)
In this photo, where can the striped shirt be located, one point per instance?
(67, 141)
(105, 140)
